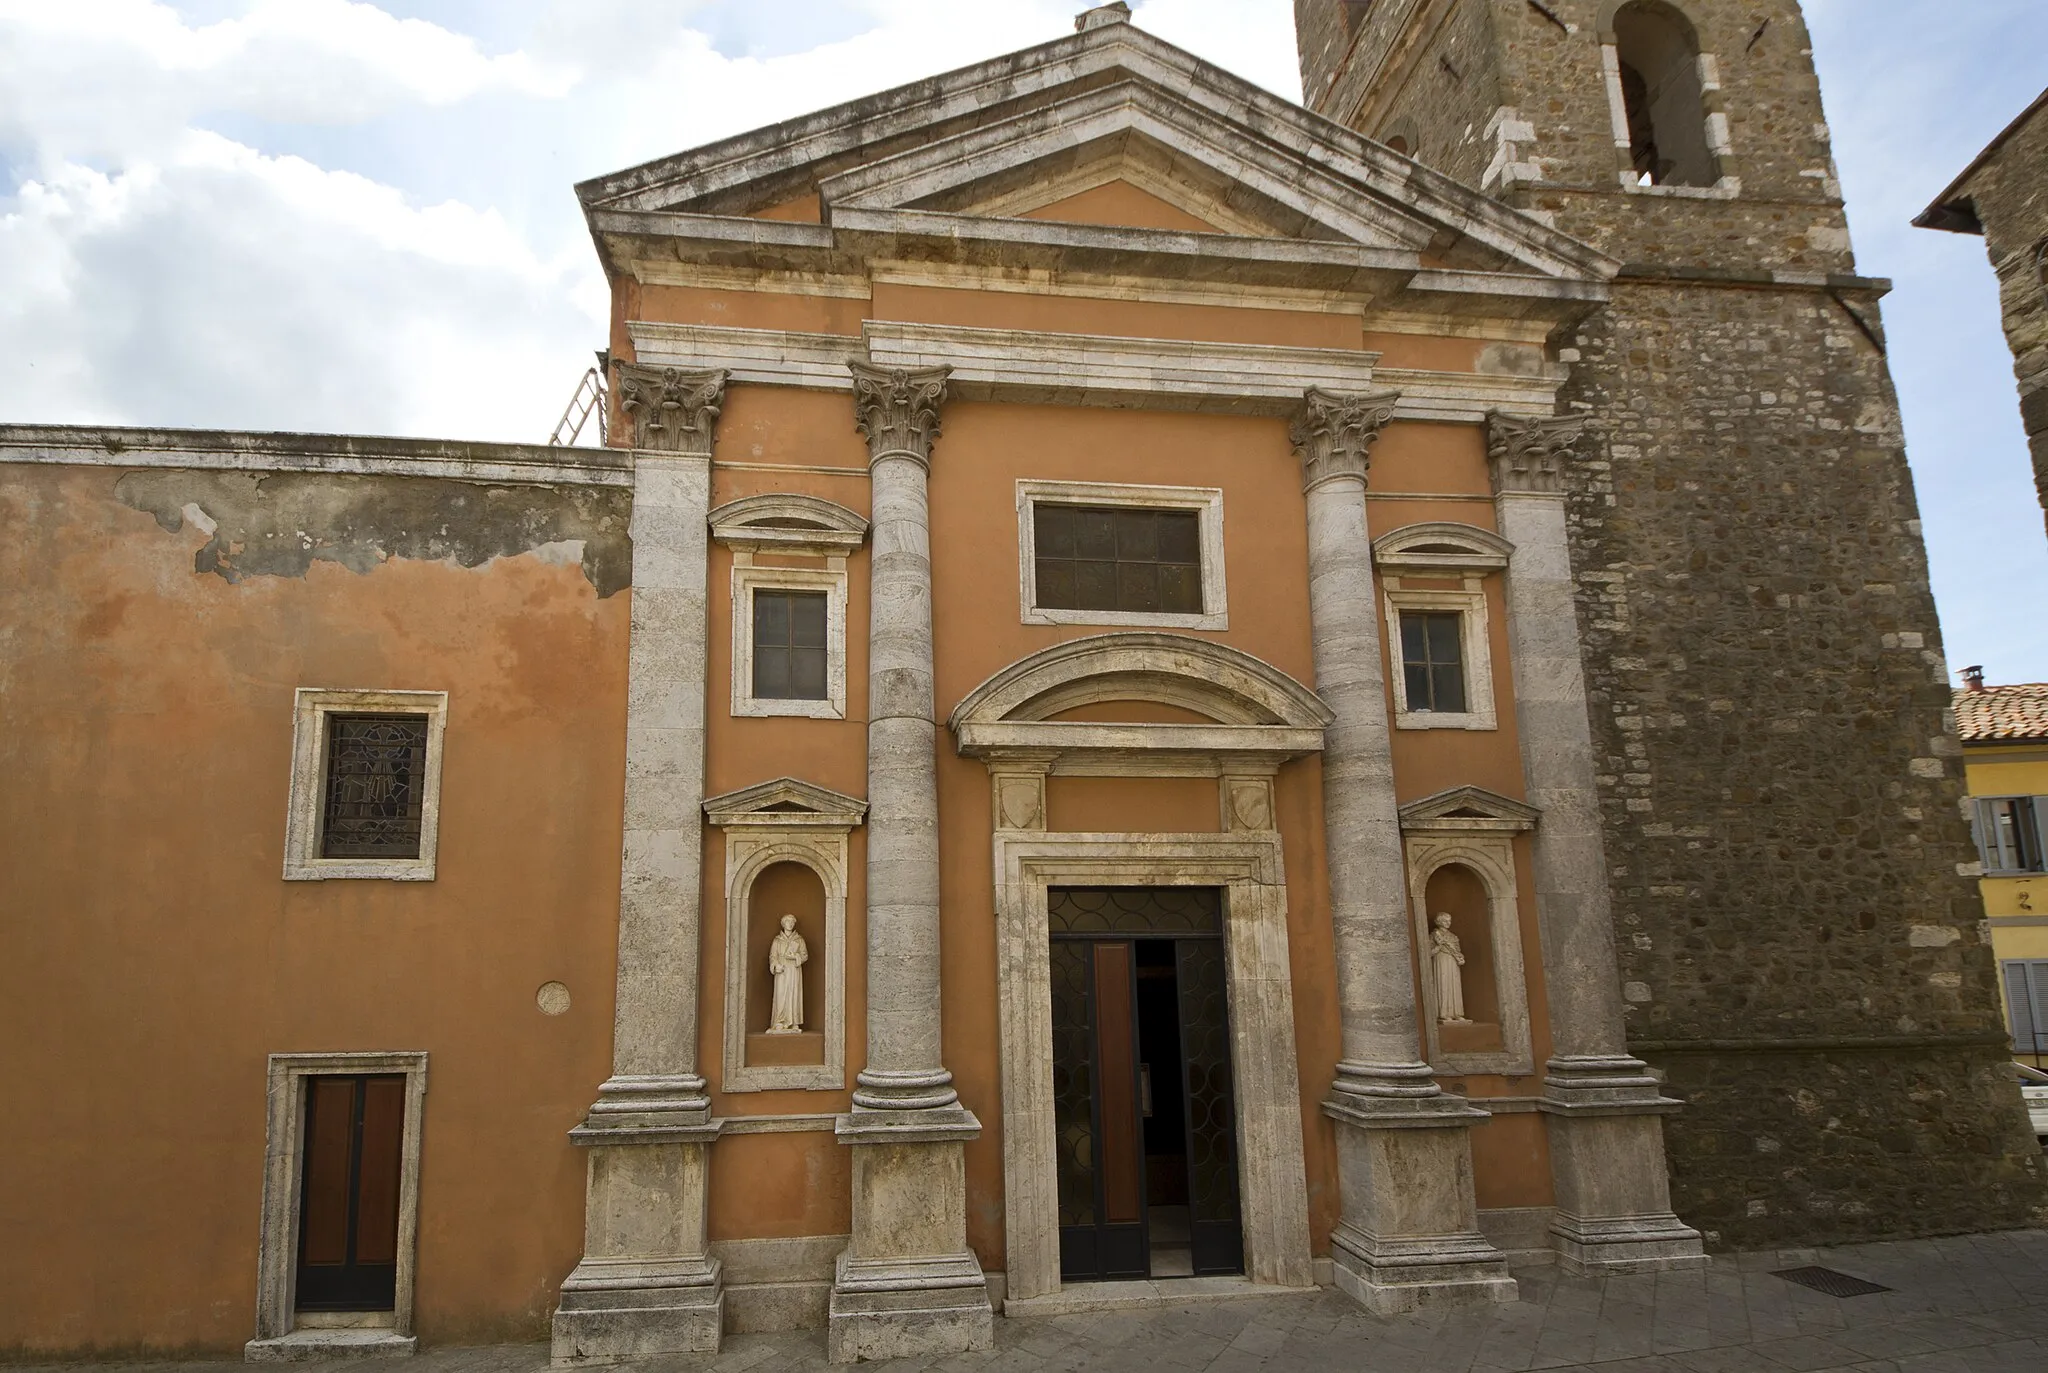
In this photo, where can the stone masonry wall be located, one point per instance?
(2010, 193)
(1801, 953)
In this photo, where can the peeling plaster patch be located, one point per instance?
(280, 524)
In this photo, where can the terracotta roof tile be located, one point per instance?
(2003, 712)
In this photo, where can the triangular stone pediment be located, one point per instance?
(786, 802)
(1468, 808)
(1052, 148)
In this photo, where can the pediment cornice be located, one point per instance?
(899, 173)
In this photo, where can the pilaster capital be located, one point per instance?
(1334, 432)
(670, 410)
(898, 409)
(1527, 456)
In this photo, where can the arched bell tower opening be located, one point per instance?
(1663, 101)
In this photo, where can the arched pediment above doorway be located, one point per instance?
(1243, 709)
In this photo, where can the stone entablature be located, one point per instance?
(1116, 371)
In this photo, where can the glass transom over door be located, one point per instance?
(1143, 1103)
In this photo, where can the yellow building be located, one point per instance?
(2004, 730)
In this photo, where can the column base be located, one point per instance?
(1601, 1246)
(907, 1284)
(1409, 1236)
(614, 1311)
(645, 1286)
(1390, 1276)
(902, 1308)
(1607, 1166)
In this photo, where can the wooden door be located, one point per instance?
(348, 1193)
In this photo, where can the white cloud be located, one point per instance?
(117, 79)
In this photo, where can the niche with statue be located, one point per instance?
(1461, 848)
(1464, 997)
(786, 859)
(785, 992)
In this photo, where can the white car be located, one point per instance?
(2034, 1088)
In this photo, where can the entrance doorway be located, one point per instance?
(348, 1193)
(1143, 1106)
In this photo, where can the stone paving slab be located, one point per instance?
(1972, 1304)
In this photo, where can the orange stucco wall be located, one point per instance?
(156, 944)
(154, 957)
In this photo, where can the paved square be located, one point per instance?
(1973, 1304)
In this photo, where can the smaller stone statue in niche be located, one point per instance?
(786, 959)
(1447, 963)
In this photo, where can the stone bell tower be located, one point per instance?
(1799, 939)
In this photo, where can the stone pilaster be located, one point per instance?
(1603, 1106)
(907, 1283)
(646, 1285)
(1409, 1229)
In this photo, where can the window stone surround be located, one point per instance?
(1442, 549)
(784, 524)
(1205, 501)
(311, 709)
(280, 1335)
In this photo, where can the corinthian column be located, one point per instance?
(1603, 1107)
(646, 1285)
(1409, 1231)
(907, 1283)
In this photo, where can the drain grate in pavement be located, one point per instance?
(1829, 1281)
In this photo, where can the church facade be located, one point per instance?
(1151, 691)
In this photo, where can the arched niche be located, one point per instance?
(786, 852)
(1460, 847)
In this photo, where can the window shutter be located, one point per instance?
(1981, 832)
(2026, 999)
(2040, 809)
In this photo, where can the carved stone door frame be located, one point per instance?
(1272, 1174)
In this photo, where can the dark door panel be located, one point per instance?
(348, 1193)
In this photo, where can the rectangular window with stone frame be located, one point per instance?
(2011, 833)
(1097, 553)
(365, 784)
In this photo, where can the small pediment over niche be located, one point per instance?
(786, 803)
(784, 522)
(1465, 809)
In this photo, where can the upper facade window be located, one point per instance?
(1433, 660)
(1094, 553)
(788, 602)
(375, 786)
(1659, 84)
(1433, 585)
(1111, 558)
(366, 784)
(2012, 833)
(790, 651)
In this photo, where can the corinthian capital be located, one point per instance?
(1528, 455)
(1334, 432)
(898, 409)
(670, 410)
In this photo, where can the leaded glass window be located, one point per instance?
(1433, 660)
(789, 645)
(374, 786)
(1092, 557)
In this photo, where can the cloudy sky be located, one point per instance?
(318, 214)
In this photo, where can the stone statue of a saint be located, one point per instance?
(1447, 962)
(786, 959)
